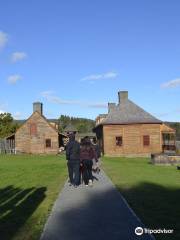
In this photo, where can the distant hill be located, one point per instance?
(19, 121)
(83, 125)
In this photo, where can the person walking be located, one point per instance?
(96, 164)
(73, 160)
(87, 154)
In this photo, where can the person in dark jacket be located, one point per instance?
(96, 163)
(87, 154)
(73, 160)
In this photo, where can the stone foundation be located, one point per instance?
(164, 159)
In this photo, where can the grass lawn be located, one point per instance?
(153, 192)
(29, 186)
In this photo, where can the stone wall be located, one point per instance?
(164, 159)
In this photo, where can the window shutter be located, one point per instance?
(33, 129)
(146, 140)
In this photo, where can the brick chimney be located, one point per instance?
(123, 96)
(111, 106)
(38, 107)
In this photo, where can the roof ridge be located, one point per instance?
(39, 115)
(129, 112)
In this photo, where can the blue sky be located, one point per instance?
(74, 56)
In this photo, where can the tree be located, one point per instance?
(7, 125)
(82, 128)
(82, 124)
(63, 122)
(176, 126)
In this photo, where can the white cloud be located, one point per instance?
(13, 79)
(18, 56)
(50, 97)
(97, 105)
(1, 111)
(17, 115)
(171, 84)
(46, 94)
(107, 75)
(3, 39)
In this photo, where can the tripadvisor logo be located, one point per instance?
(139, 231)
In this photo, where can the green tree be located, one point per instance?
(82, 128)
(7, 125)
(63, 122)
(82, 124)
(176, 126)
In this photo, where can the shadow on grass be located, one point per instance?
(16, 206)
(157, 207)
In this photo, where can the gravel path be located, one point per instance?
(92, 213)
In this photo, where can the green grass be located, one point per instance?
(29, 185)
(153, 192)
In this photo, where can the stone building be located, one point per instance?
(128, 130)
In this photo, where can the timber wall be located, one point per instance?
(132, 139)
(35, 143)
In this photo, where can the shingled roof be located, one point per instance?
(70, 128)
(127, 112)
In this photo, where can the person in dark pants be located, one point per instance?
(81, 169)
(96, 164)
(87, 154)
(73, 160)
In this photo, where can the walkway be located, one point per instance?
(92, 213)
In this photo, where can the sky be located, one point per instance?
(74, 56)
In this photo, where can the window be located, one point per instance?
(48, 143)
(119, 141)
(146, 140)
(33, 129)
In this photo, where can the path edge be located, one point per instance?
(127, 204)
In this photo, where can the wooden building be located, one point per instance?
(37, 135)
(70, 129)
(79, 136)
(128, 130)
